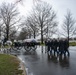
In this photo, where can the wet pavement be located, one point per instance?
(40, 63)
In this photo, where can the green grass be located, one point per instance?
(72, 43)
(9, 65)
(42, 44)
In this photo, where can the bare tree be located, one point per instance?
(45, 18)
(68, 26)
(9, 17)
(23, 34)
(21, 1)
(1, 28)
(30, 23)
(29, 27)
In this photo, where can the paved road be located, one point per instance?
(38, 63)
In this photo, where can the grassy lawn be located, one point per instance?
(9, 65)
(72, 43)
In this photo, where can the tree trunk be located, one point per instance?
(41, 34)
(7, 32)
(0, 31)
(34, 35)
(68, 35)
(29, 35)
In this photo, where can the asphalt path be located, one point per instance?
(40, 63)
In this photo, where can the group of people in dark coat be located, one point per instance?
(57, 46)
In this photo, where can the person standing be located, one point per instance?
(55, 46)
(5, 40)
(45, 46)
(61, 46)
(66, 46)
(48, 44)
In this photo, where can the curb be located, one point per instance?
(22, 66)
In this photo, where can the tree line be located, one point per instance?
(42, 22)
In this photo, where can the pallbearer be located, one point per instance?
(61, 46)
(48, 45)
(66, 46)
(55, 44)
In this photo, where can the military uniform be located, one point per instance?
(66, 46)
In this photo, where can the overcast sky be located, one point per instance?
(60, 6)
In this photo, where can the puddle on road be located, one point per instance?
(59, 63)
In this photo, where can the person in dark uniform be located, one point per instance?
(66, 46)
(45, 46)
(15, 43)
(61, 46)
(51, 46)
(55, 43)
(5, 40)
(58, 46)
(48, 45)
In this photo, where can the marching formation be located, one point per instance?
(59, 47)
(54, 46)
